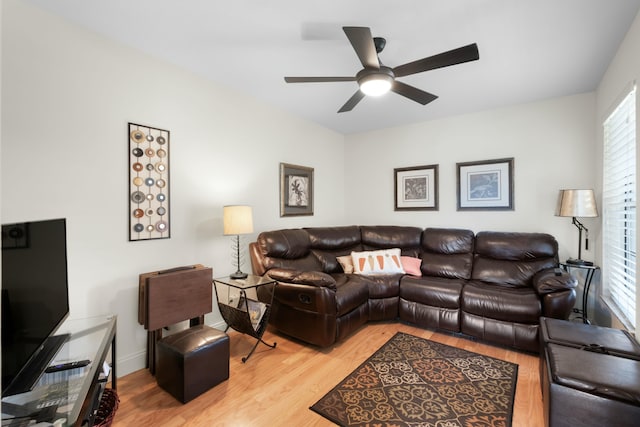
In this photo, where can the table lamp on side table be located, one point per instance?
(578, 203)
(237, 220)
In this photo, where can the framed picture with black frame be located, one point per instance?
(485, 185)
(296, 190)
(416, 188)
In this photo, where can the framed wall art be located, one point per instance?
(296, 190)
(149, 211)
(485, 185)
(416, 188)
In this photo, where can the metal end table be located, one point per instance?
(590, 271)
(243, 314)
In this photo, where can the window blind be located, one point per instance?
(619, 209)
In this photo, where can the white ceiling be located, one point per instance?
(529, 49)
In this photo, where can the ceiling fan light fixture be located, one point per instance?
(375, 84)
(376, 79)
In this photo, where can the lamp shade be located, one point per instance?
(576, 203)
(237, 219)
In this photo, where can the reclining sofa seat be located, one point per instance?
(315, 300)
(493, 286)
(503, 301)
(433, 300)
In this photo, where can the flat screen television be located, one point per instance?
(35, 299)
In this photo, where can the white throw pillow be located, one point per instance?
(377, 262)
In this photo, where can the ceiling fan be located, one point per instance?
(376, 79)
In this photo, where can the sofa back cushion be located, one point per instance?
(328, 243)
(287, 249)
(447, 252)
(512, 259)
(389, 236)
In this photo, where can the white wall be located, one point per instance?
(551, 141)
(623, 72)
(67, 97)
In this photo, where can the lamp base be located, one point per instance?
(574, 261)
(238, 275)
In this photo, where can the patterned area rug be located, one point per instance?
(415, 382)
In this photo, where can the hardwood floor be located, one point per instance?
(276, 386)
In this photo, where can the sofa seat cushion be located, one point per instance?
(350, 293)
(381, 285)
(433, 291)
(520, 305)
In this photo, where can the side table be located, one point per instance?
(243, 314)
(590, 271)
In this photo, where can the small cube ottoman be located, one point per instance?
(590, 375)
(192, 361)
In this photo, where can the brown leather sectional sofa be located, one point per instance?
(494, 286)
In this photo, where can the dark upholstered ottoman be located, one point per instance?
(590, 375)
(596, 338)
(192, 361)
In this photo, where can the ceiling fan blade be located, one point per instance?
(352, 102)
(318, 79)
(413, 93)
(444, 59)
(362, 42)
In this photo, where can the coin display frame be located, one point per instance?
(150, 181)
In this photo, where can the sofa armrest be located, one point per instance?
(552, 280)
(312, 278)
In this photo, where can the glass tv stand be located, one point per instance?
(69, 397)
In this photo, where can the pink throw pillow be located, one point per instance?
(411, 265)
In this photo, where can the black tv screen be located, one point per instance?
(35, 298)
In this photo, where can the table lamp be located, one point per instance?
(237, 220)
(578, 203)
